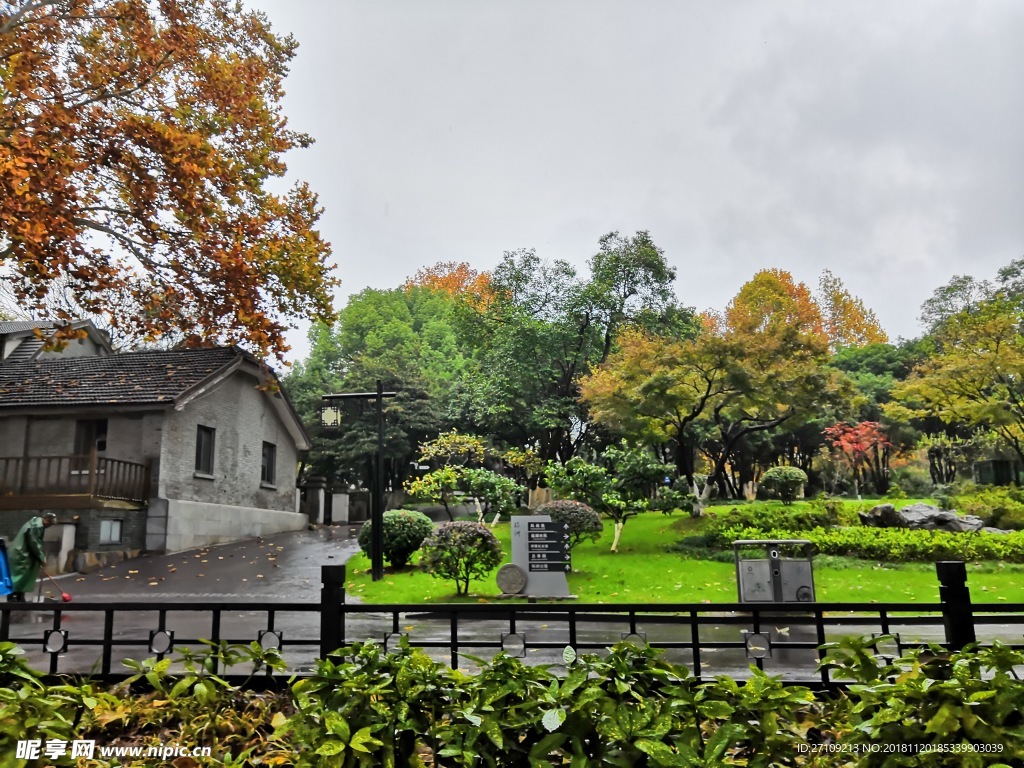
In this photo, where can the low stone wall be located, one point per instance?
(191, 524)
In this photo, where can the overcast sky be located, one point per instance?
(882, 140)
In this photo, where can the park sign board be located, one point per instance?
(540, 549)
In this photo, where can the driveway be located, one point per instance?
(284, 567)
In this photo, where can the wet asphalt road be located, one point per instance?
(285, 567)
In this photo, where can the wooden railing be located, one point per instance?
(91, 475)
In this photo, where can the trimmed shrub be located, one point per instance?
(814, 515)
(405, 530)
(461, 551)
(892, 545)
(784, 483)
(998, 507)
(584, 522)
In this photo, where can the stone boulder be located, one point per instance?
(923, 517)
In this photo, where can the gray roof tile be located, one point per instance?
(132, 378)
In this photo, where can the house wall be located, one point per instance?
(130, 437)
(12, 436)
(243, 419)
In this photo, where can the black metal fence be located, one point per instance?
(93, 638)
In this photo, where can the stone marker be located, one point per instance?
(540, 558)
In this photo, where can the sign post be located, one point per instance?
(541, 551)
(332, 412)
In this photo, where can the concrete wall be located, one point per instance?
(191, 524)
(243, 419)
(12, 436)
(51, 436)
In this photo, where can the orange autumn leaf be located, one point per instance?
(137, 141)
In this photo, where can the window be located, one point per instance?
(268, 471)
(204, 449)
(110, 531)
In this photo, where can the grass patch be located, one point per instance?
(650, 567)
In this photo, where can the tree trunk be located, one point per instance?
(619, 525)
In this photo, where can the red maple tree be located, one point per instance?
(865, 448)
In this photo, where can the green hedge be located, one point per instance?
(886, 544)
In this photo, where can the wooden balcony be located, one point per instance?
(72, 482)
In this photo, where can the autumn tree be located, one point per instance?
(458, 280)
(772, 344)
(847, 322)
(976, 376)
(137, 143)
(865, 448)
(654, 388)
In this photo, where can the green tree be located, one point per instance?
(546, 327)
(405, 337)
(976, 376)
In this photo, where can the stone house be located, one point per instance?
(156, 451)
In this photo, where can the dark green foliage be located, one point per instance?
(784, 483)
(946, 709)
(584, 522)
(404, 532)
(461, 551)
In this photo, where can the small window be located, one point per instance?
(268, 471)
(110, 531)
(204, 449)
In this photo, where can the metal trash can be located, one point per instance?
(782, 574)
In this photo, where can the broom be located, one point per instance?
(64, 596)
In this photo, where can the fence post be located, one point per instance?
(955, 597)
(332, 616)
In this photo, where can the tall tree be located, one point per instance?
(976, 376)
(405, 338)
(847, 322)
(546, 328)
(653, 389)
(137, 140)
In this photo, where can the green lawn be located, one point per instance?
(646, 570)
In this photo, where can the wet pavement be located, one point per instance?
(258, 574)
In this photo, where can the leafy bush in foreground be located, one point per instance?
(364, 706)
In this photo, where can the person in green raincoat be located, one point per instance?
(26, 555)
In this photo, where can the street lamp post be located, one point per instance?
(331, 415)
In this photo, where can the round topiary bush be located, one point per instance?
(784, 482)
(461, 551)
(404, 532)
(584, 522)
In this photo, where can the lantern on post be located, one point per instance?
(333, 411)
